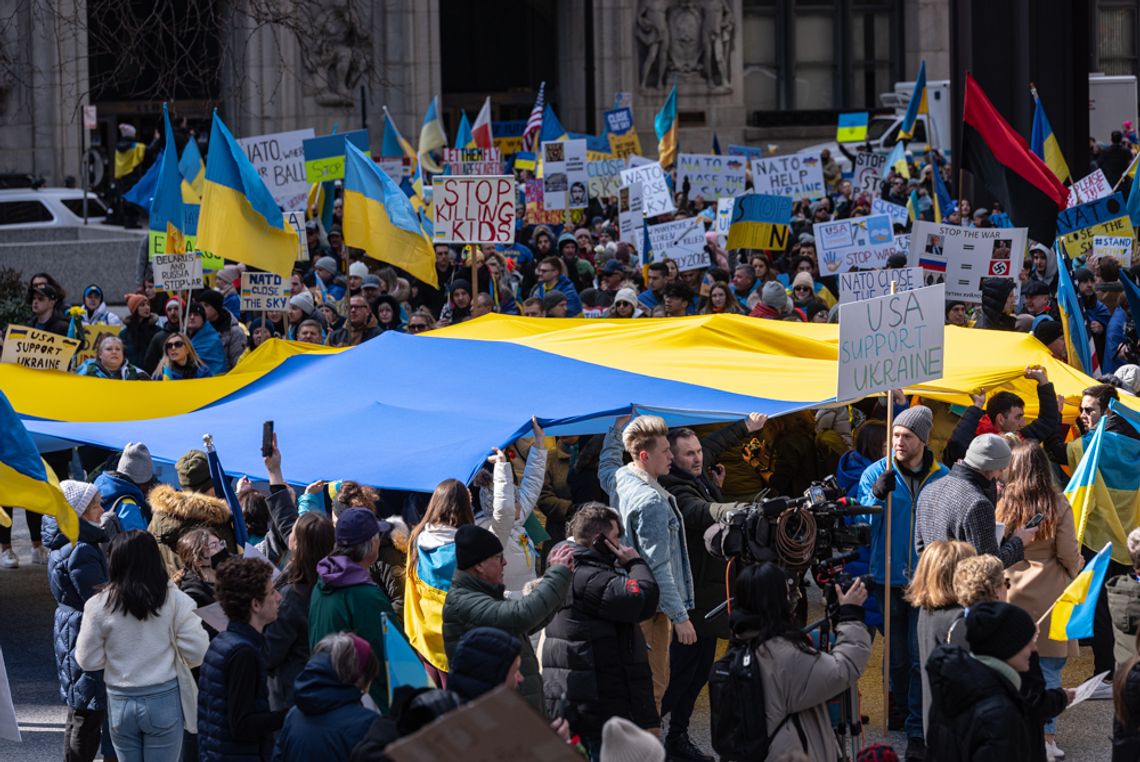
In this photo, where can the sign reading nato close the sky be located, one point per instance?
(891, 342)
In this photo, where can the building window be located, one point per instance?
(761, 63)
(1116, 38)
(814, 59)
(870, 58)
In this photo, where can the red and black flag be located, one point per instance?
(999, 157)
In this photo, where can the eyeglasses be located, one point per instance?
(358, 306)
(175, 345)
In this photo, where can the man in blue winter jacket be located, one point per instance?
(914, 469)
(551, 278)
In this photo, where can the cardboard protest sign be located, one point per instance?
(867, 284)
(473, 209)
(1089, 188)
(623, 146)
(396, 167)
(494, 727)
(619, 121)
(902, 245)
(264, 291)
(473, 161)
(961, 257)
(862, 242)
(1076, 227)
(799, 176)
(723, 221)
(296, 220)
(605, 177)
(898, 213)
(868, 172)
(710, 176)
(177, 272)
(1115, 247)
(657, 197)
(891, 342)
(760, 221)
(631, 215)
(565, 179)
(279, 159)
(33, 348)
(682, 241)
(324, 156)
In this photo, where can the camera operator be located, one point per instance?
(915, 469)
(695, 481)
(594, 656)
(798, 680)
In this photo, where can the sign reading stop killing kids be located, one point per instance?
(863, 242)
(655, 191)
(710, 176)
(177, 272)
(891, 342)
(799, 176)
(565, 178)
(263, 291)
(961, 257)
(474, 209)
(33, 348)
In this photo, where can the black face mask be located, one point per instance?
(217, 559)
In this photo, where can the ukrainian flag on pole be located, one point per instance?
(167, 210)
(552, 129)
(463, 136)
(379, 218)
(1043, 142)
(666, 126)
(193, 171)
(239, 218)
(1073, 613)
(402, 665)
(394, 144)
(432, 137)
(852, 127)
(1077, 341)
(896, 160)
(25, 480)
(916, 106)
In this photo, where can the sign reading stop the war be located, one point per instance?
(474, 209)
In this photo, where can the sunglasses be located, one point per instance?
(801, 288)
(175, 345)
(416, 327)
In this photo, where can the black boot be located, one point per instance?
(682, 749)
(915, 749)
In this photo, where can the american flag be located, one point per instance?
(534, 122)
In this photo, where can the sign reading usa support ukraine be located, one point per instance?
(863, 242)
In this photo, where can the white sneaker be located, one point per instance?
(1102, 692)
(8, 560)
(40, 555)
(1053, 751)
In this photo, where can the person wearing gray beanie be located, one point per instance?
(773, 304)
(962, 506)
(124, 489)
(135, 463)
(916, 471)
(622, 741)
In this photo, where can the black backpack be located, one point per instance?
(739, 727)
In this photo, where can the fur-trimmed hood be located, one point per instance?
(399, 534)
(191, 507)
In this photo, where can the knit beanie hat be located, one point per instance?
(194, 471)
(134, 301)
(918, 419)
(459, 284)
(481, 661)
(1129, 375)
(773, 295)
(211, 297)
(304, 302)
(326, 263)
(358, 269)
(622, 741)
(78, 494)
(988, 452)
(627, 295)
(135, 463)
(998, 629)
(474, 544)
(803, 279)
(1048, 331)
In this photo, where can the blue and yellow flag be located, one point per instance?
(25, 480)
(425, 589)
(1043, 142)
(897, 160)
(379, 218)
(1078, 343)
(239, 218)
(912, 205)
(943, 202)
(402, 665)
(552, 128)
(463, 136)
(126, 160)
(432, 137)
(394, 143)
(1073, 613)
(716, 145)
(167, 210)
(142, 192)
(665, 125)
(760, 222)
(917, 105)
(852, 127)
(193, 171)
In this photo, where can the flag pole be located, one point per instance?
(886, 602)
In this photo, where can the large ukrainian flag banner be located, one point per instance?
(1104, 488)
(239, 218)
(379, 218)
(759, 221)
(1074, 611)
(25, 480)
(425, 589)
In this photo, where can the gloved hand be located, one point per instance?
(884, 485)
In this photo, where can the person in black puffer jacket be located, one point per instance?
(594, 656)
(75, 573)
(997, 308)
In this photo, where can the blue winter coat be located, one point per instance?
(125, 498)
(904, 557)
(1115, 335)
(74, 572)
(209, 347)
(850, 470)
(328, 719)
(566, 286)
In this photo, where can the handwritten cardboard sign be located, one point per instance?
(263, 291)
(474, 209)
(799, 176)
(867, 284)
(657, 197)
(862, 242)
(710, 176)
(177, 272)
(33, 348)
(279, 159)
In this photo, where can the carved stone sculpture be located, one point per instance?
(686, 40)
(337, 52)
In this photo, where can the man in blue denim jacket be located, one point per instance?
(655, 528)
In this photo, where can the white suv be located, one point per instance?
(48, 207)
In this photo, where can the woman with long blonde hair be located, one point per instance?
(1051, 561)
